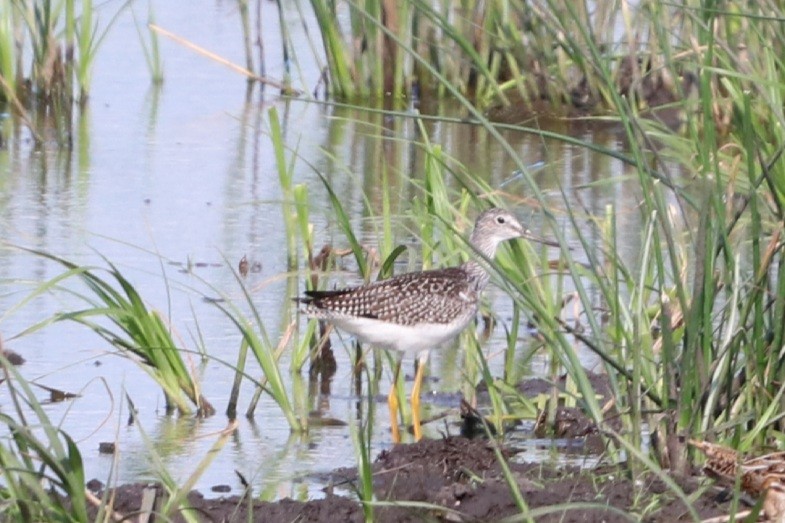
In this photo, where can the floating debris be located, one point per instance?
(242, 267)
(57, 395)
(12, 357)
(107, 447)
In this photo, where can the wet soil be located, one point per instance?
(460, 479)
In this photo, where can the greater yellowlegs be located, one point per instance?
(415, 312)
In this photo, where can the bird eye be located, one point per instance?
(500, 220)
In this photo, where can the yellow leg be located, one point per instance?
(392, 402)
(416, 397)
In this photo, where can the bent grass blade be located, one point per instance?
(138, 330)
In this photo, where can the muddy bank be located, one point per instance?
(463, 481)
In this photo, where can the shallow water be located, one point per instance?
(163, 179)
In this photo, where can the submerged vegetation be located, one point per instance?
(690, 333)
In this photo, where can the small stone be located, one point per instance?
(460, 490)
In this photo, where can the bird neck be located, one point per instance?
(478, 275)
(477, 270)
(484, 244)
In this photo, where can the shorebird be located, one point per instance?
(415, 312)
(763, 476)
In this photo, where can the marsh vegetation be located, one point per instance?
(668, 280)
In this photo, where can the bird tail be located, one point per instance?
(314, 296)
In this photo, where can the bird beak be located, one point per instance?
(531, 237)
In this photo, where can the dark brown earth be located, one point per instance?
(462, 481)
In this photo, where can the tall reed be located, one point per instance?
(63, 37)
(694, 322)
(689, 331)
(47, 54)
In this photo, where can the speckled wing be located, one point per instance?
(436, 296)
